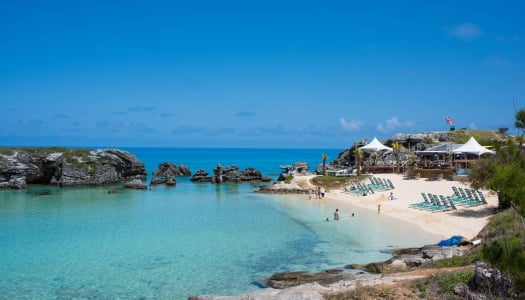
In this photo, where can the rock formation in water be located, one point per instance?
(166, 173)
(229, 174)
(67, 167)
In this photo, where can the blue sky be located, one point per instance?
(315, 74)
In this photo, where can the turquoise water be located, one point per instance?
(173, 242)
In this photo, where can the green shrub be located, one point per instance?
(6, 151)
(447, 281)
(459, 261)
(504, 246)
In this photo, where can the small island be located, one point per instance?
(65, 167)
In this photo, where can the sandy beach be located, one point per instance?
(465, 221)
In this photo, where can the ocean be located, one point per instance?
(191, 239)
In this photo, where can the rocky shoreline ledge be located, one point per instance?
(402, 266)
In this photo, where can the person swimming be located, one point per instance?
(336, 214)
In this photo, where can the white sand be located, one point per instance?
(465, 221)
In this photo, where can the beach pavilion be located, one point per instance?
(473, 147)
(436, 156)
(462, 154)
(375, 146)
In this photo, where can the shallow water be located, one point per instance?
(170, 243)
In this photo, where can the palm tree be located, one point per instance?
(396, 148)
(358, 154)
(520, 124)
(324, 157)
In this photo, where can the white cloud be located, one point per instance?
(466, 31)
(352, 125)
(393, 124)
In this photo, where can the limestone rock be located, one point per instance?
(168, 168)
(289, 279)
(491, 281)
(410, 258)
(67, 167)
(229, 174)
(135, 184)
(166, 172)
(201, 176)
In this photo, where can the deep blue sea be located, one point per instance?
(174, 242)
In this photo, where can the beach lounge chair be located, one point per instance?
(425, 204)
(446, 203)
(389, 184)
(482, 197)
(436, 205)
(451, 203)
(456, 194)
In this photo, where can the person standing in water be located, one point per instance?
(336, 214)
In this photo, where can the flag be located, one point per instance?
(449, 121)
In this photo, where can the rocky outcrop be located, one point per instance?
(135, 184)
(166, 173)
(289, 279)
(412, 258)
(171, 169)
(403, 260)
(491, 281)
(201, 176)
(229, 174)
(282, 189)
(67, 167)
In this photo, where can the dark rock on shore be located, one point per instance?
(403, 260)
(230, 174)
(67, 167)
(490, 281)
(412, 258)
(289, 279)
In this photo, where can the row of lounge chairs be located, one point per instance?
(462, 196)
(467, 197)
(380, 184)
(359, 188)
(376, 184)
(435, 203)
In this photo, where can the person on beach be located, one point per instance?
(309, 194)
(322, 192)
(336, 214)
(319, 192)
(378, 208)
(391, 197)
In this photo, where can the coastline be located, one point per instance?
(465, 221)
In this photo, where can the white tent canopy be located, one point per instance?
(472, 146)
(375, 146)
